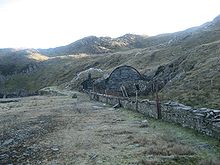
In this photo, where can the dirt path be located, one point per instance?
(63, 130)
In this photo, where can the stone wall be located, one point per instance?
(203, 120)
(126, 76)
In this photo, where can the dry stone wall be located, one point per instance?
(203, 120)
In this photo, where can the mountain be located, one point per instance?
(185, 65)
(13, 61)
(97, 45)
(16, 67)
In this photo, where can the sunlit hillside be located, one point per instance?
(185, 64)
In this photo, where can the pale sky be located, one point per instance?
(51, 23)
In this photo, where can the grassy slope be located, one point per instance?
(201, 85)
(197, 81)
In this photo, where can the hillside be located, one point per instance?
(97, 45)
(184, 64)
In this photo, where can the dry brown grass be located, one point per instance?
(178, 149)
(209, 162)
(147, 162)
(82, 128)
(167, 150)
(143, 141)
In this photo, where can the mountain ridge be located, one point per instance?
(96, 45)
(186, 63)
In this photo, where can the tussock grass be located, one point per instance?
(209, 162)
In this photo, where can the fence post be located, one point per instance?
(159, 115)
(136, 105)
(136, 101)
(119, 102)
(90, 95)
(106, 97)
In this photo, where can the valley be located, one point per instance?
(109, 82)
(66, 130)
(185, 65)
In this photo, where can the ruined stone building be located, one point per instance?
(123, 77)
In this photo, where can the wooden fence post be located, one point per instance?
(90, 95)
(159, 115)
(136, 101)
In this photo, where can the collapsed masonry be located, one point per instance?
(123, 80)
(127, 79)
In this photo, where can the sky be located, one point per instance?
(52, 23)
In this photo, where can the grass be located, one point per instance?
(169, 143)
(193, 88)
(116, 137)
